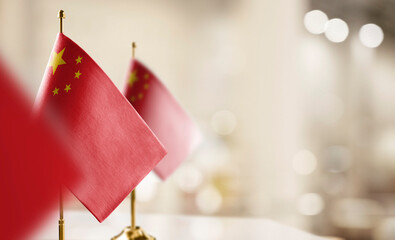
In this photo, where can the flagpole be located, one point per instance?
(61, 220)
(133, 232)
(61, 16)
(133, 194)
(132, 209)
(133, 49)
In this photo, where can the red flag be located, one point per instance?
(32, 163)
(170, 123)
(114, 147)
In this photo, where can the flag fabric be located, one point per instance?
(30, 178)
(113, 146)
(164, 115)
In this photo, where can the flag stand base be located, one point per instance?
(135, 234)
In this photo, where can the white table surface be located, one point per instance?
(82, 225)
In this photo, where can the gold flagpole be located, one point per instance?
(61, 16)
(61, 220)
(133, 194)
(133, 49)
(132, 209)
(133, 232)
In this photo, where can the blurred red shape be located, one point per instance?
(33, 163)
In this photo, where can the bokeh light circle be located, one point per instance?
(223, 122)
(310, 204)
(371, 35)
(304, 162)
(209, 200)
(336, 30)
(315, 21)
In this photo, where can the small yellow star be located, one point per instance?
(132, 98)
(133, 78)
(55, 91)
(140, 96)
(77, 74)
(146, 76)
(67, 88)
(78, 60)
(57, 60)
(146, 86)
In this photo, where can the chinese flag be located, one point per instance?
(33, 163)
(113, 146)
(170, 123)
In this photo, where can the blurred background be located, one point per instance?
(295, 99)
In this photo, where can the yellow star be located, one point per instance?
(146, 86)
(132, 98)
(140, 96)
(78, 60)
(67, 88)
(57, 60)
(133, 78)
(55, 91)
(77, 74)
(146, 76)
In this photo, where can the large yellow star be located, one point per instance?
(68, 88)
(77, 74)
(55, 91)
(133, 78)
(57, 60)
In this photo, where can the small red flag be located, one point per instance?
(114, 147)
(164, 115)
(33, 163)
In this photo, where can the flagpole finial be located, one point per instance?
(61, 16)
(133, 49)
